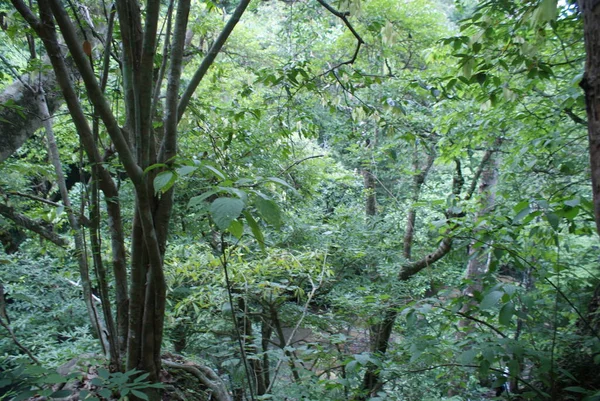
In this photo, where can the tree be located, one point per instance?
(145, 149)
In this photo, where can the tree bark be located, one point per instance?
(479, 257)
(590, 84)
(19, 114)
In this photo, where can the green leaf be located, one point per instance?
(363, 358)
(139, 394)
(214, 171)
(185, 170)
(255, 230)
(573, 202)
(96, 381)
(164, 181)
(225, 210)
(25, 395)
(546, 11)
(522, 210)
(141, 377)
(281, 182)
(196, 200)
(506, 313)
(236, 229)
(576, 389)
(154, 166)
(468, 356)
(106, 393)
(125, 391)
(553, 220)
(54, 378)
(103, 373)
(235, 191)
(269, 210)
(490, 299)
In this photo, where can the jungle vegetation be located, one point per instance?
(300, 200)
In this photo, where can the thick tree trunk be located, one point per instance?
(591, 87)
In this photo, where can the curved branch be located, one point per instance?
(410, 269)
(343, 16)
(206, 376)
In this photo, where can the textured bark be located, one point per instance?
(590, 83)
(19, 114)
(35, 226)
(591, 87)
(141, 320)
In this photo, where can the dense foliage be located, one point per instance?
(362, 200)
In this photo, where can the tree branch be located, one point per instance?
(32, 225)
(210, 57)
(359, 40)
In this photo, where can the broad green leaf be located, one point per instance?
(185, 170)
(196, 200)
(225, 210)
(553, 220)
(270, 211)
(363, 358)
(236, 228)
(106, 393)
(506, 313)
(163, 181)
(490, 299)
(255, 230)
(573, 202)
(103, 373)
(546, 11)
(576, 389)
(96, 381)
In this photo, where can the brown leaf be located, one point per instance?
(87, 48)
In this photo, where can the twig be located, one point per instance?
(299, 161)
(359, 41)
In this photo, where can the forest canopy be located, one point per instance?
(299, 200)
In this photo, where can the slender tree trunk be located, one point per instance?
(101, 332)
(480, 255)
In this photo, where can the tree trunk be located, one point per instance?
(479, 256)
(590, 83)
